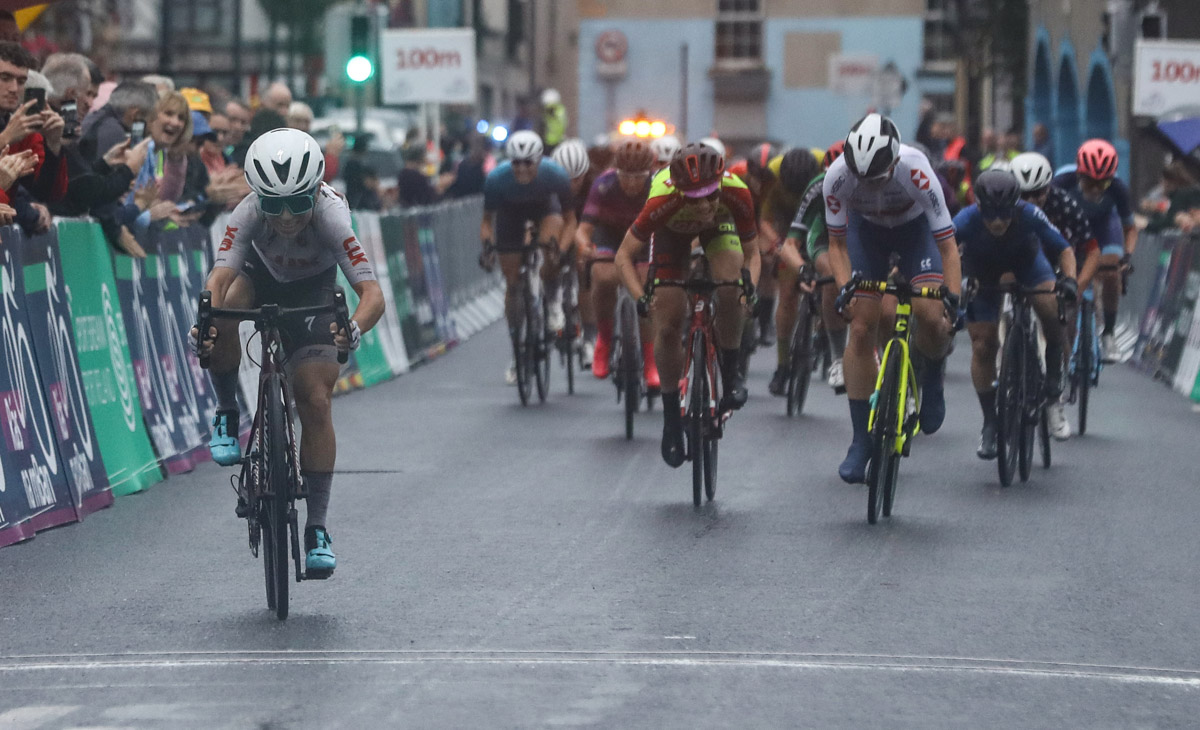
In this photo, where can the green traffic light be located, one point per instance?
(359, 69)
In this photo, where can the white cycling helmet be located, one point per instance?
(872, 146)
(665, 148)
(524, 145)
(715, 143)
(572, 155)
(284, 162)
(1033, 171)
(551, 96)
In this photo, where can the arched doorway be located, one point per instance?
(1067, 126)
(1101, 117)
(1040, 107)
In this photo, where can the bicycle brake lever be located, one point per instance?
(342, 315)
(203, 322)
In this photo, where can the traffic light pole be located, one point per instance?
(360, 104)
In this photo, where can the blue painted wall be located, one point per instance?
(810, 117)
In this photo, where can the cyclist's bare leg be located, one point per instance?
(932, 335)
(227, 348)
(669, 311)
(835, 325)
(861, 368)
(730, 311)
(1046, 308)
(645, 324)
(605, 280)
(550, 231)
(312, 388)
(587, 310)
(785, 317)
(1110, 289)
(985, 344)
(510, 267)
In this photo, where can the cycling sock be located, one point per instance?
(319, 484)
(226, 387)
(1110, 322)
(987, 401)
(730, 362)
(766, 313)
(860, 417)
(837, 343)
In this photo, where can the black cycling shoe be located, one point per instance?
(987, 443)
(735, 396)
(778, 384)
(673, 449)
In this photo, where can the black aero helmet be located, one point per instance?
(697, 167)
(997, 193)
(872, 146)
(797, 169)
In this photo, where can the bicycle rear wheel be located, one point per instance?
(279, 481)
(880, 470)
(800, 360)
(1009, 401)
(1044, 436)
(521, 361)
(710, 433)
(697, 412)
(541, 353)
(1085, 360)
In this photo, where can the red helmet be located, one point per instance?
(634, 155)
(697, 168)
(1097, 159)
(834, 152)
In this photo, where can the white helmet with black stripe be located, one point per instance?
(284, 162)
(1033, 171)
(524, 145)
(572, 155)
(872, 146)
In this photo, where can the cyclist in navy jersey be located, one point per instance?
(1002, 235)
(1095, 186)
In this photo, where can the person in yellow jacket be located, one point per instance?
(554, 119)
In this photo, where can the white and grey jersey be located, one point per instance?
(912, 191)
(328, 239)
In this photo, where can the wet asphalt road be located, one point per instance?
(502, 566)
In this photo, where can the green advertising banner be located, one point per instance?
(370, 357)
(104, 358)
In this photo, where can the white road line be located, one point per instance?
(683, 660)
(34, 716)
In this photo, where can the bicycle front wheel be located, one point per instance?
(883, 432)
(1009, 402)
(698, 386)
(522, 363)
(800, 365)
(628, 365)
(710, 433)
(1044, 436)
(279, 477)
(1029, 408)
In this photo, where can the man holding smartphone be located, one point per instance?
(23, 128)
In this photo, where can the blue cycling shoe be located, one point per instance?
(224, 445)
(854, 469)
(319, 561)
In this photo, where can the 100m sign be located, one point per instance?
(1169, 71)
(427, 58)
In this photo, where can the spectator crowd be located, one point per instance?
(140, 154)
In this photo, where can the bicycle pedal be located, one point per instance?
(839, 390)
(317, 574)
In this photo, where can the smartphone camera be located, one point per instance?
(70, 114)
(137, 132)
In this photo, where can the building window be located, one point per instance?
(198, 17)
(739, 32)
(939, 31)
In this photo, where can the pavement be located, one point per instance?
(501, 566)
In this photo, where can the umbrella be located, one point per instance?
(1181, 135)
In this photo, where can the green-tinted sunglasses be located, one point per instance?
(297, 204)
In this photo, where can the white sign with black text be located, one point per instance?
(434, 65)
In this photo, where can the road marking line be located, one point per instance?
(34, 716)
(860, 662)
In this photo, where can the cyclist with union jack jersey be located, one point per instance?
(883, 197)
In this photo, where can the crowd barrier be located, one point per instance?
(1168, 345)
(99, 395)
